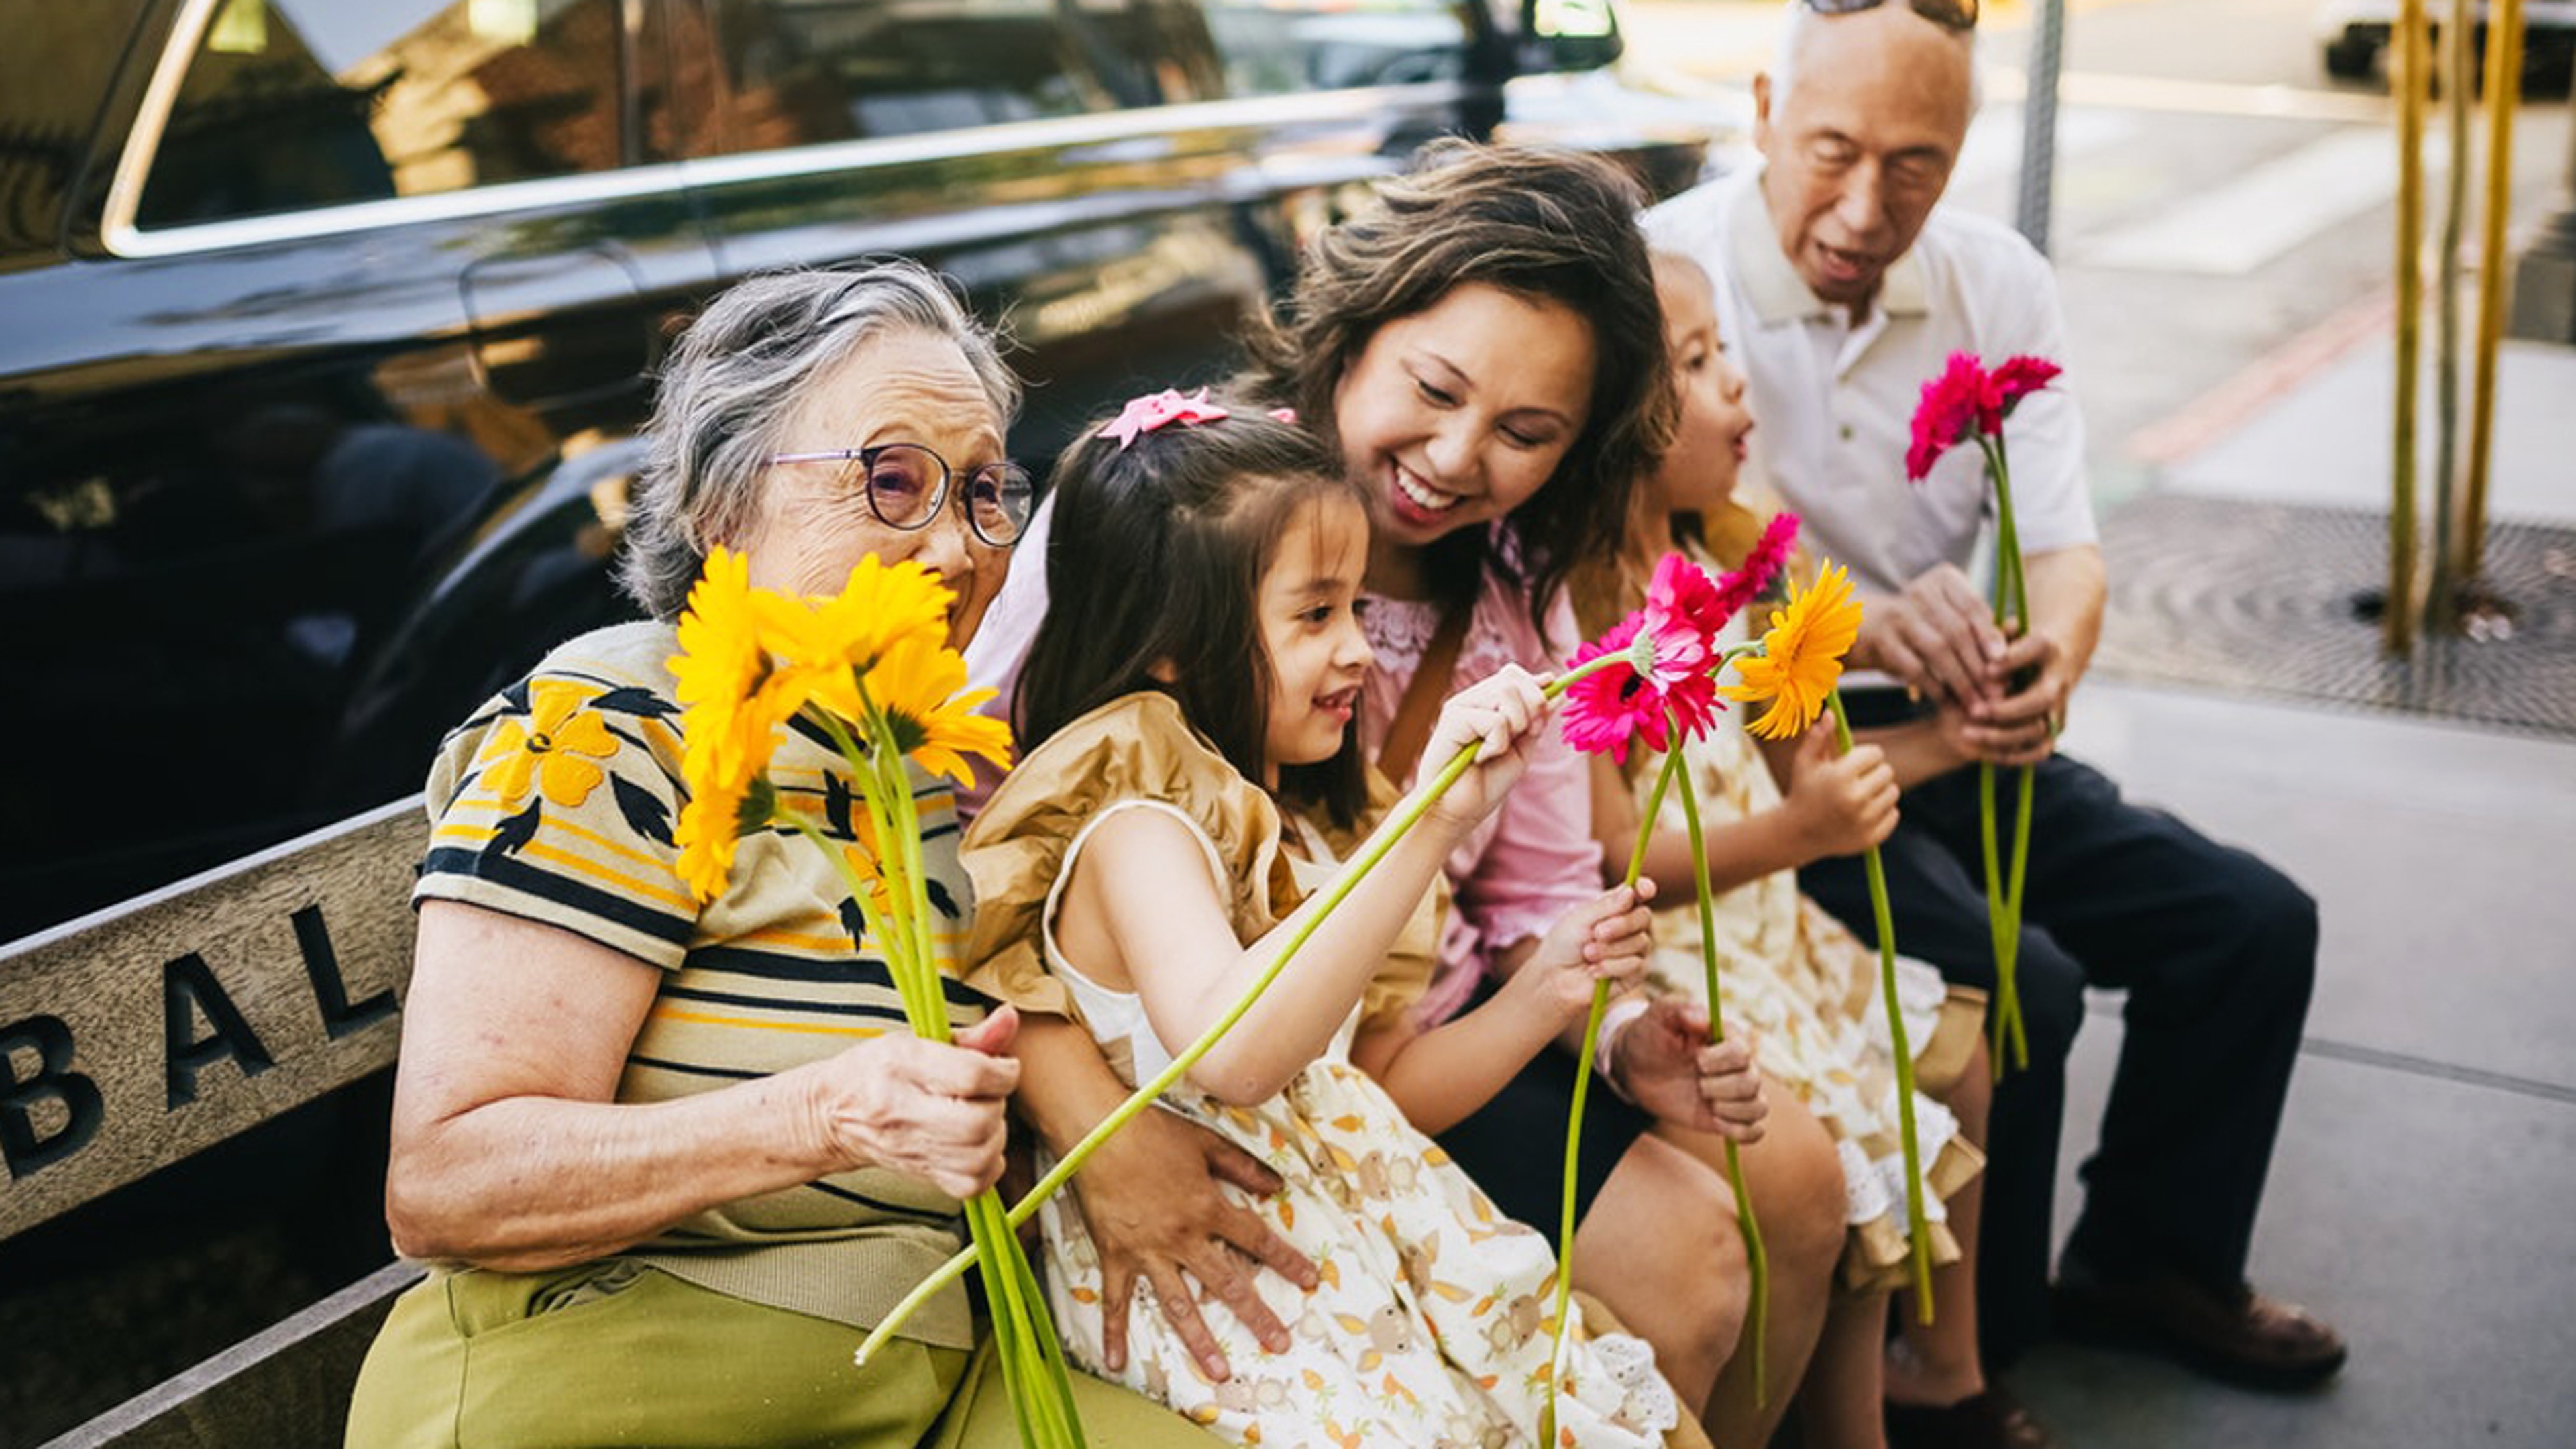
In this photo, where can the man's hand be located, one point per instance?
(2021, 728)
(1152, 1201)
(1938, 637)
(1667, 1065)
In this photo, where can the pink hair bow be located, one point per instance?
(1145, 414)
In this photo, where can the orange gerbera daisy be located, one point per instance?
(1802, 656)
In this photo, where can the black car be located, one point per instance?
(326, 325)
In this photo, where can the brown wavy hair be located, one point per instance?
(1548, 225)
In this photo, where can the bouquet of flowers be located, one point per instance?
(1969, 400)
(871, 669)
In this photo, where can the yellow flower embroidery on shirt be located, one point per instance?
(548, 747)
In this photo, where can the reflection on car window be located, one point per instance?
(1276, 47)
(807, 71)
(293, 104)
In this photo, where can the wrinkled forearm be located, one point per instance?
(526, 1183)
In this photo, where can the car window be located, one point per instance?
(1278, 47)
(802, 72)
(294, 104)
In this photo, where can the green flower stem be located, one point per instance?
(1574, 1117)
(1143, 1097)
(1034, 1374)
(2005, 940)
(1757, 1261)
(1917, 1230)
(2013, 901)
(1043, 1401)
(2004, 879)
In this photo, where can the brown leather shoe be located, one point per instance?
(1990, 1420)
(2234, 1334)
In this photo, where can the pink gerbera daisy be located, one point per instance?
(1770, 555)
(1638, 699)
(1683, 614)
(1953, 405)
(2011, 381)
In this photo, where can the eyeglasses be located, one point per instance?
(907, 485)
(1948, 14)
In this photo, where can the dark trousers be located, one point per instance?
(2217, 952)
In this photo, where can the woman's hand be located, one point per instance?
(1502, 713)
(1666, 1064)
(1839, 804)
(936, 1112)
(1607, 938)
(1150, 1197)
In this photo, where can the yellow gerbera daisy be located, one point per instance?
(920, 683)
(732, 700)
(1802, 656)
(709, 826)
(829, 642)
(547, 747)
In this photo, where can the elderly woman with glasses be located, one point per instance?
(671, 1160)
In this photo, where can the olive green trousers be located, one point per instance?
(614, 1353)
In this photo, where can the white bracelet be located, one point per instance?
(1616, 1018)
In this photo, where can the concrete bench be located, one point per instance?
(142, 1035)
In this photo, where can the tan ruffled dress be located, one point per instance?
(1431, 1325)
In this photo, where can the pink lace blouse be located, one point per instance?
(1531, 860)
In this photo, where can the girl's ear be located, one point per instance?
(1163, 671)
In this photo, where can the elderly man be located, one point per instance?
(1842, 287)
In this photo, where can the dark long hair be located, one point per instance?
(1156, 558)
(1555, 226)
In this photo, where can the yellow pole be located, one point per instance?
(2412, 75)
(2458, 44)
(2504, 95)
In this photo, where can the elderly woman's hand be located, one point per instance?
(907, 1105)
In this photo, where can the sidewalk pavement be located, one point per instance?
(2419, 1194)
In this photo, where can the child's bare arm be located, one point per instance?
(1441, 1076)
(1143, 911)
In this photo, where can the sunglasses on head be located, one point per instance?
(1948, 14)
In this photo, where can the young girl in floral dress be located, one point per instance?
(1192, 776)
(1793, 977)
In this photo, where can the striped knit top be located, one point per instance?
(555, 803)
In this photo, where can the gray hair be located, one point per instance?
(733, 384)
(1800, 24)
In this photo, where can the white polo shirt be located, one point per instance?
(1833, 402)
